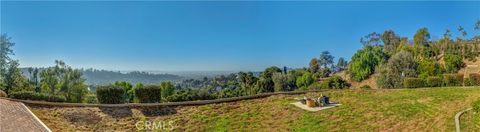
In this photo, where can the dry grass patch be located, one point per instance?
(429, 109)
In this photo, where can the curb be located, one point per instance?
(457, 119)
(36, 118)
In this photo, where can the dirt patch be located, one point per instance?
(87, 117)
(371, 81)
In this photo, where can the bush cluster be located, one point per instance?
(413, 82)
(31, 95)
(110, 94)
(335, 82)
(453, 79)
(190, 95)
(148, 94)
(434, 81)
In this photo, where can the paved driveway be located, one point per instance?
(16, 117)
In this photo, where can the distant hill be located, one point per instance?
(95, 77)
(103, 77)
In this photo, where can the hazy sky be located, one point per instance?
(212, 36)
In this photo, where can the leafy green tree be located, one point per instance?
(364, 62)
(401, 65)
(341, 64)
(33, 78)
(266, 84)
(282, 82)
(49, 81)
(65, 81)
(167, 89)
(421, 37)
(372, 39)
(462, 31)
(326, 59)
(73, 86)
(313, 66)
(305, 80)
(14, 79)
(269, 71)
(129, 90)
(247, 81)
(390, 42)
(422, 46)
(453, 63)
(428, 67)
(447, 45)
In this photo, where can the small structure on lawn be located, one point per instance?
(318, 104)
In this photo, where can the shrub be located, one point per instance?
(30, 95)
(316, 86)
(473, 79)
(452, 79)
(110, 94)
(434, 81)
(148, 94)
(400, 65)
(453, 63)
(365, 87)
(190, 95)
(365, 61)
(167, 89)
(90, 98)
(428, 68)
(305, 80)
(413, 82)
(3, 94)
(335, 82)
(476, 106)
(387, 79)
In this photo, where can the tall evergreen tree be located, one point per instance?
(5, 52)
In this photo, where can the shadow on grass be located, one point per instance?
(117, 112)
(158, 111)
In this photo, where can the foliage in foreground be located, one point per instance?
(148, 94)
(31, 95)
(111, 94)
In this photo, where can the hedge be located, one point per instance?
(453, 79)
(434, 81)
(110, 95)
(31, 95)
(413, 82)
(148, 94)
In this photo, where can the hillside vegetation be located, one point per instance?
(362, 110)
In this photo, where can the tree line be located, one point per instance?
(395, 58)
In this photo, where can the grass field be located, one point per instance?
(470, 121)
(362, 110)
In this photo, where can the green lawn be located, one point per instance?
(430, 109)
(470, 121)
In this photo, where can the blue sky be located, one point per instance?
(212, 36)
